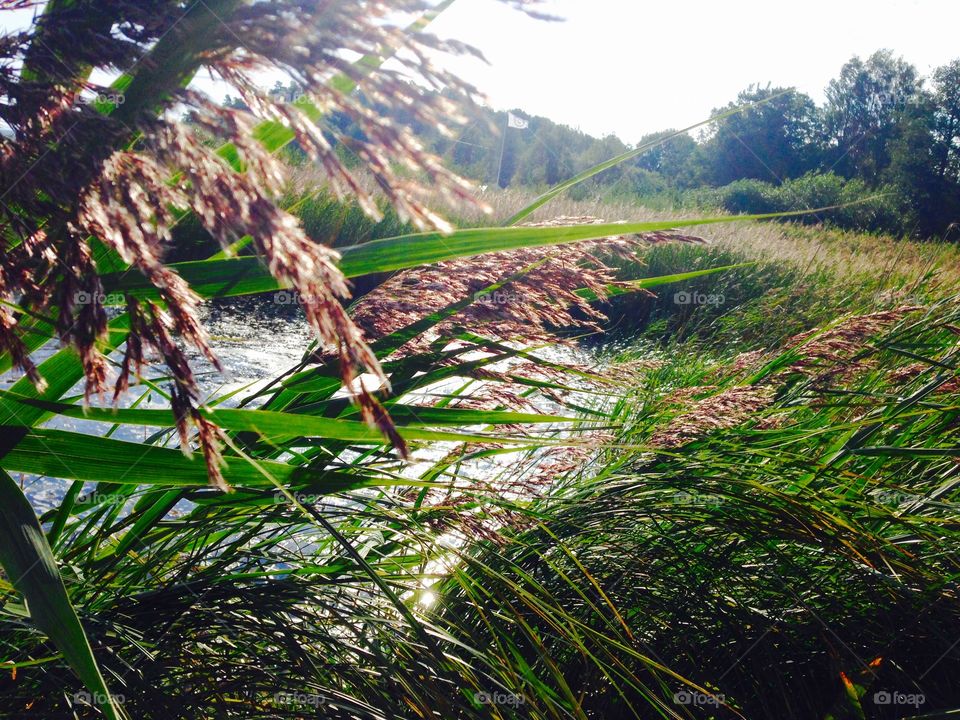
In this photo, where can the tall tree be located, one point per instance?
(548, 156)
(946, 96)
(773, 141)
(864, 105)
(670, 159)
(925, 156)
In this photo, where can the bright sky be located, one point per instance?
(636, 66)
(633, 66)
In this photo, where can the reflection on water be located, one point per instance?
(255, 339)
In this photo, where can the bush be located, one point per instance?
(750, 196)
(882, 212)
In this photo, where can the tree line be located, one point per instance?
(885, 134)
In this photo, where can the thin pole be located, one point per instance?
(503, 146)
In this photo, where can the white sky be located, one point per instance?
(634, 66)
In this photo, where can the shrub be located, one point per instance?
(867, 209)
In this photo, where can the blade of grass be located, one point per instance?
(629, 155)
(29, 563)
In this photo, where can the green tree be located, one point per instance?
(671, 159)
(864, 106)
(946, 128)
(925, 156)
(547, 158)
(595, 153)
(773, 141)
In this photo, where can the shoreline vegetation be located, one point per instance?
(884, 132)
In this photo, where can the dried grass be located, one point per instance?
(827, 356)
(128, 172)
(529, 308)
(726, 409)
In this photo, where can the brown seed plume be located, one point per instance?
(527, 308)
(92, 167)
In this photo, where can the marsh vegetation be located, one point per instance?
(562, 458)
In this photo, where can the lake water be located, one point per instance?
(256, 341)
